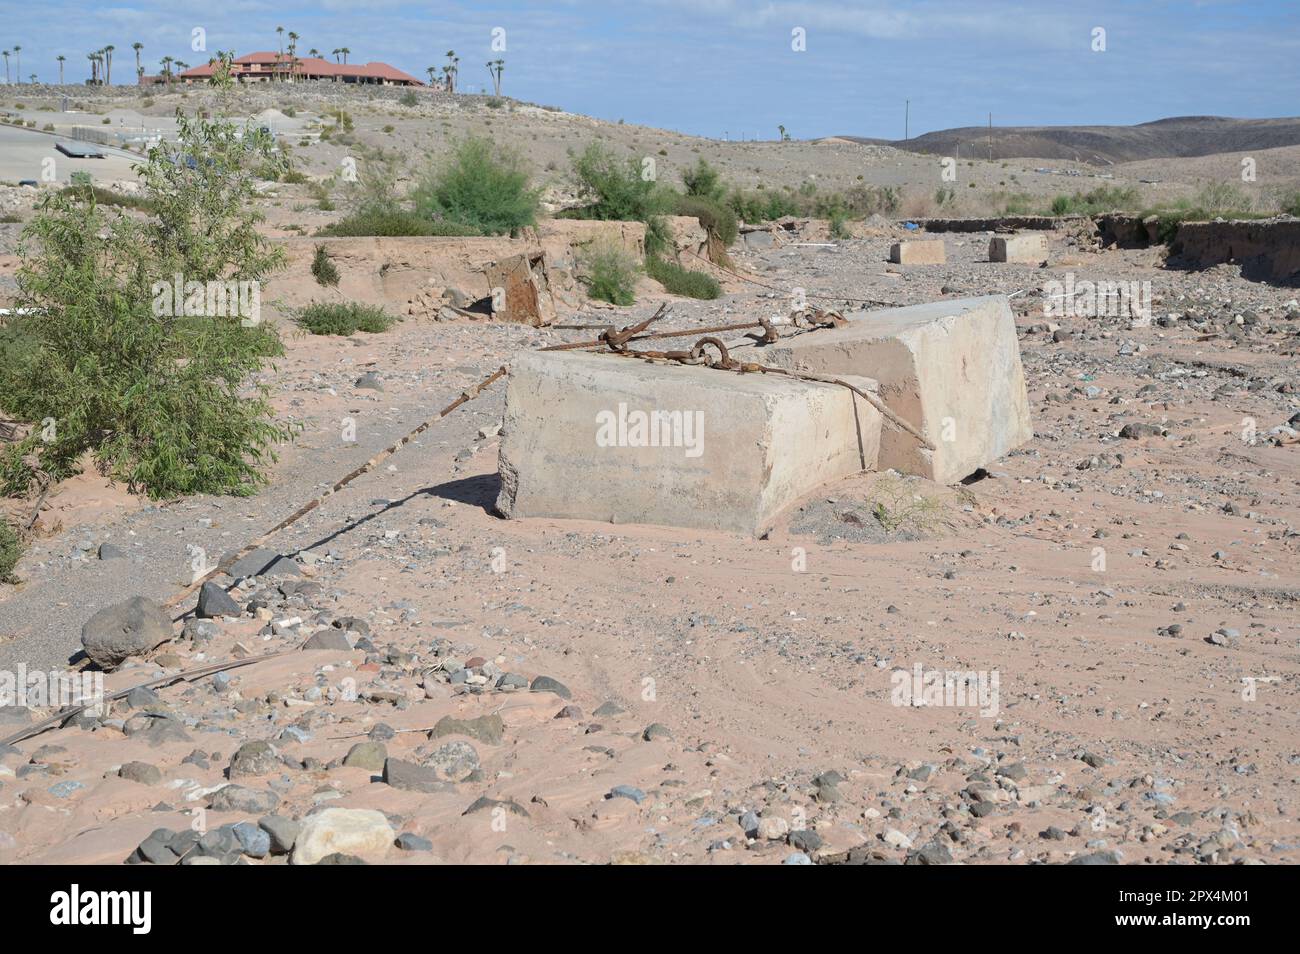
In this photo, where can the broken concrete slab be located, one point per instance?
(918, 252)
(951, 369)
(1024, 248)
(602, 437)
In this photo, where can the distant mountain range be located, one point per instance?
(1180, 136)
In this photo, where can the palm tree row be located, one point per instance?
(101, 64)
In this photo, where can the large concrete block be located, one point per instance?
(918, 252)
(951, 369)
(600, 437)
(1025, 248)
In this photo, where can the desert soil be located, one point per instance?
(707, 698)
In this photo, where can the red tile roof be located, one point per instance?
(310, 66)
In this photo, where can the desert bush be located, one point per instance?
(899, 508)
(1013, 203)
(156, 394)
(681, 281)
(762, 205)
(719, 220)
(609, 271)
(1096, 201)
(1220, 197)
(408, 99)
(616, 190)
(377, 221)
(1290, 203)
(10, 549)
(323, 267)
(344, 318)
(704, 181)
(104, 196)
(483, 187)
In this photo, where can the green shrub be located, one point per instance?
(681, 281)
(163, 400)
(379, 221)
(704, 181)
(838, 230)
(19, 353)
(1015, 203)
(323, 267)
(763, 205)
(10, 549)
(344, 318)
(616, 189)
(718, 219)
(408, 99)
(1097, 201)
(104, 196)
(1220, 197)
(16, 475)
(483, 188)
(610, 272)
(1290, 203)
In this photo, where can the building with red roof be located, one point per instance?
(263, 67)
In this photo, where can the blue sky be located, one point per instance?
(715, 67)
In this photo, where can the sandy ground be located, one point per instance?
(741, 691)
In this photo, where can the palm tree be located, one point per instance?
(138, 46)
(61, 58)
(313, 52)
(345, 51)
(280, 31)
(33, 79)
(18, 66)
(293, 56)
(451, 69)
(496, 68)
(6, 56)
(431, 70)
(108, 64)
(336, 51)
(166, 62)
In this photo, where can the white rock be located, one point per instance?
(354, 831)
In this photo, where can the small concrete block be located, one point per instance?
(602, 437)
(1024, 248)
(918, 252)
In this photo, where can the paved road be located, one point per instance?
(23, 153)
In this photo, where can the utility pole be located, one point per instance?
(907, 120)
(990, 137)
